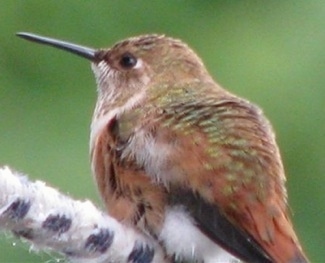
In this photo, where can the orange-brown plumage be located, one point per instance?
(255, 204)
(165, 137)
(127, 192)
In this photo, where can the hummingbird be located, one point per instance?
(182, 159)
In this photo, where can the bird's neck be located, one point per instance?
(106, 111)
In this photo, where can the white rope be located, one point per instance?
(76, 229)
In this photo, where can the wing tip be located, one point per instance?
(299, 257)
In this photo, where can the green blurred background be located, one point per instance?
(271, 52)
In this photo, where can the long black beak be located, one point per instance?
(82, 51)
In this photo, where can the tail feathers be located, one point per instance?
(276, 236)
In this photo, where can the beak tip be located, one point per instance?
(22, 34)
(27, 36)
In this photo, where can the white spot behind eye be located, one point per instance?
(139, 64)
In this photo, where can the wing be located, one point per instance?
(217, 227)
(219, 159)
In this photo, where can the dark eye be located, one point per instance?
(128, 61)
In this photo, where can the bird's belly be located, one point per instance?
(183, 239)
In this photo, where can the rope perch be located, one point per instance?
(76, 229)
